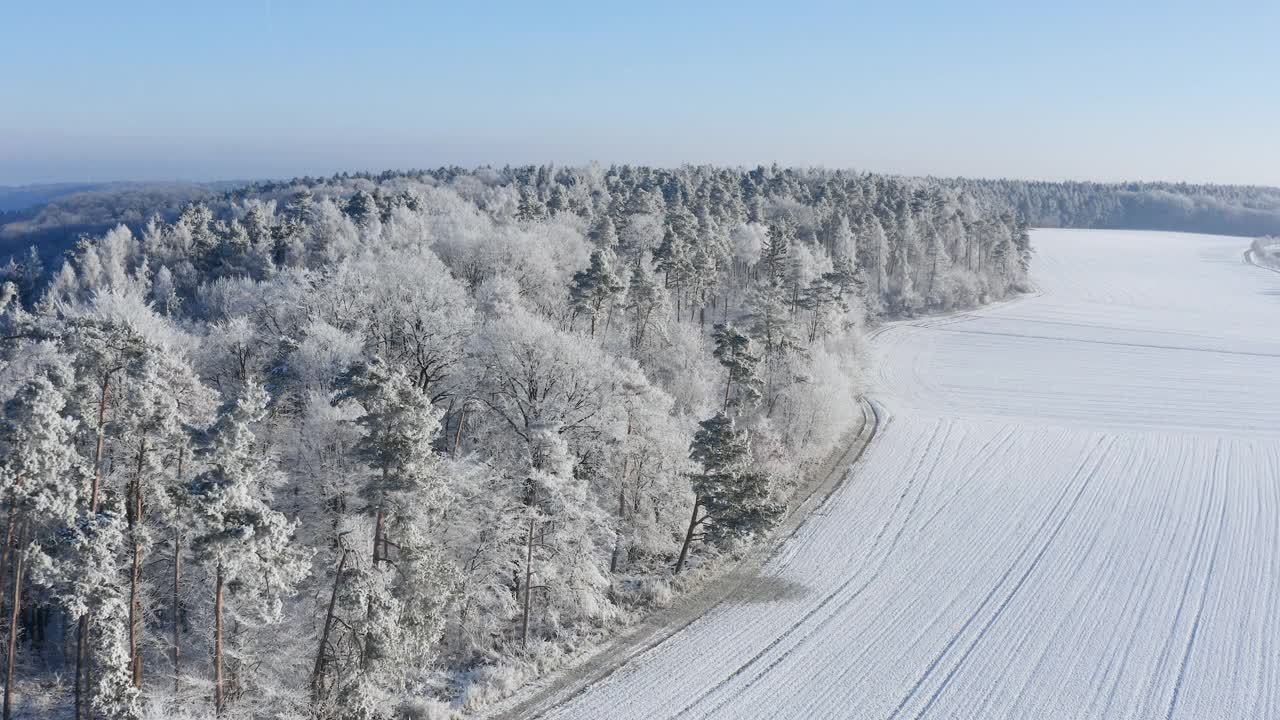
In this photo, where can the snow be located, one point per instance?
(1072, 510)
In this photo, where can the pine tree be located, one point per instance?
(83, 570)
(160, 396)
(669, 256)
(399, 425)
(393, 604)
(647, 304)
(734, 498)
(938, 261)
(36, 461)
(844, 249)
(901, 290)
(734, 351)
(361, 207)
(877, 253)
(559, 200)
(604, 233)
(245, 543)
(775, 253)
(595, 289)
(824, 300)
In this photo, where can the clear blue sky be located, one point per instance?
(98, 90)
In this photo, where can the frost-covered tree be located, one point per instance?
(604, 233)
(595, 288)
(648, 306)
(399, 425)
(245, 543)
(37, 459)
(734, 351)
(732, 499)
(390, 605)
(83, 569)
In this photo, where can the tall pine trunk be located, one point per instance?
(135, 571)
(14, 611)
(378, 550)
(528, 578)
(622, 500)
(8, 541)
(217, 642)
(317, 672)
(177, 584)
(82, 627)
(688, 537)
(102, 438)
(462, 419)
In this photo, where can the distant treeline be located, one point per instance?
(1248, 210)
(62, 213)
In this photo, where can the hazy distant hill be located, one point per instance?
(51, 217)
(21, 197)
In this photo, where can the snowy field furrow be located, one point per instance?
(1071, 510)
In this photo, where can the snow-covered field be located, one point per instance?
(1072, 509)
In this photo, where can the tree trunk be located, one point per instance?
(135, 573)
(102, 437)
(217, 642)
(317, 673)
(608, 320)
(879, 272)
(528, 577)
(622, 500)
(377, 538)
(728, 382)
(444, 428)
(14, 612)
(82, 631)
(177, 584)
(82, 667)
(462, 419)
(8, 543)
(688, 537)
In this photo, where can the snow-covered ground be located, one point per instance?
(1072, 510)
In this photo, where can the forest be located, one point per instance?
(1247, 210)
(389, 446)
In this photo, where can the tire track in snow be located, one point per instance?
(1197, 552)
(1095, 537)
(1035, 564)
(1150, 564)
(1204, 592)
(872, 636)
(932, 444)
(1270, 610)
(981, 462)
(1001, 581)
